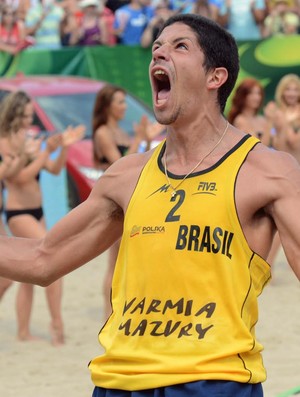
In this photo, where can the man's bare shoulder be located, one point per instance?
(267, 175)
(120, 179)
(264, 158)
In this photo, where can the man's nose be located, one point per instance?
(161, 52)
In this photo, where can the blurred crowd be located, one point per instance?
(53, 24)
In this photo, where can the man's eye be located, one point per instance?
(181, 45)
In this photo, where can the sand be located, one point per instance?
(37, 369)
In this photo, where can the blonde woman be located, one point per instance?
(284, 113)
(24, 210)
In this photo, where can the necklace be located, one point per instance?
(174, 192)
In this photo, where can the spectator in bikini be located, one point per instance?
(246, 110)
(24, 212)
(110, 143)
(284, 114)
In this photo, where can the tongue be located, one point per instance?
(163, 94)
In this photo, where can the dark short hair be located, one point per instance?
(219, 48)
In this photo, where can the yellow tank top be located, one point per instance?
(186, 283)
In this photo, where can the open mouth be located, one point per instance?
(162, 86)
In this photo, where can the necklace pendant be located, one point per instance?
(173, 194)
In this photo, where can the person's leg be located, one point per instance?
(24, 302)
(4, 285)
(112, 257)
(21, 226)
(54, 299)
(29, 226)
(4, 282)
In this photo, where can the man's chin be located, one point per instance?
(165, 119)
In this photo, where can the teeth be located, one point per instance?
(159, 72)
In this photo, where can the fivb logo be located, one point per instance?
(207, 188)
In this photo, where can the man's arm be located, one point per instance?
(285, 210)
(268, 199)
(81, 235)
(84, 233)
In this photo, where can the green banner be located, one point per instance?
(267, 60)
(121, 65)
(270, 59)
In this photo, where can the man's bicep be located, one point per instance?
(86, 232)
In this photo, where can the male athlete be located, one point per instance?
(197, 215)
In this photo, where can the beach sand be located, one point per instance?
(37, 369)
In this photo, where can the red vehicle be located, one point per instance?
(60, 101)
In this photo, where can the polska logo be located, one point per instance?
(153, 229)
(135, 231)
(207, 188)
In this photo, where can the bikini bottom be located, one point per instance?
(37, 213)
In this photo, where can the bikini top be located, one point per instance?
(122, 149)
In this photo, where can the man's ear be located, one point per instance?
(216, 78)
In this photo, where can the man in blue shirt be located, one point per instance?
(131, 21)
